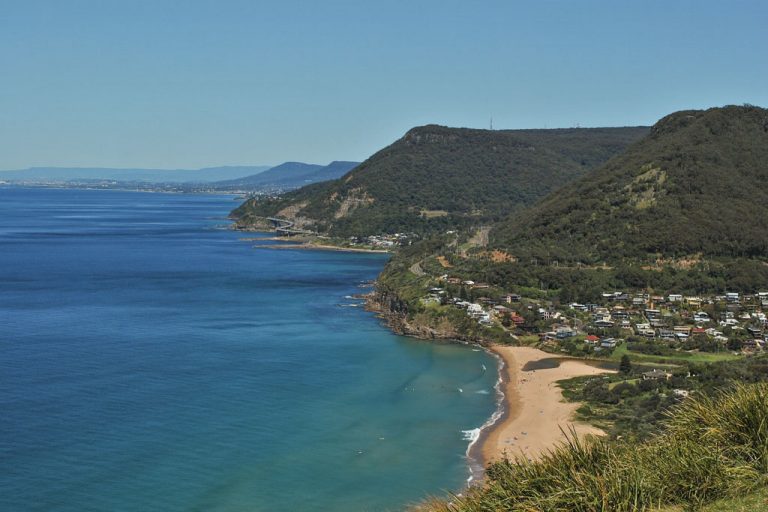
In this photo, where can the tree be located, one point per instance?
(625, 366)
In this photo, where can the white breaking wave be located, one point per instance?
(473, 435)
(470, 435)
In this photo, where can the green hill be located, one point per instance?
(695, 187)
(436, 178)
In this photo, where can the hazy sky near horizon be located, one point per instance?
(195, 83)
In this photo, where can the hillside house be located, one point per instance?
(656, 374)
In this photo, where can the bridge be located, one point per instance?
(284, 227)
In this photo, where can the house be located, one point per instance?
(619, 312)
(603, 324)
(475, 310)
(650, 314)
(608, 343)
(656, 375)
(548, 314)
(666, 334)
(591, 339)
(701, 317)
(732, 297)
(752, 345)
(645, 330)
(565, 332)
(517, 319)
(693, 301)
(601, 314)
(675, 297)
(512, 297)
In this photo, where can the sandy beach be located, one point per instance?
(535, 410)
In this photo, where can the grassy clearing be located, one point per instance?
(713, 448)
(431, 214)
(671, 360)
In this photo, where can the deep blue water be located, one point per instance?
(152, 361)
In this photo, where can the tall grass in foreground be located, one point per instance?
(712, 447)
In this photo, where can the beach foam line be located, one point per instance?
(475, 461)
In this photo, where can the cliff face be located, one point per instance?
(394, 311)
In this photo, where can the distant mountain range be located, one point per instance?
(64, 174)
(286, 176)
(290, 175)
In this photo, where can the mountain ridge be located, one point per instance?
(694, 186)
(436, 178)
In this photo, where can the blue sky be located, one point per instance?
(187, 84)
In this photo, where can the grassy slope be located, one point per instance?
(712, 449)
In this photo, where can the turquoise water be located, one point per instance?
(152, 361)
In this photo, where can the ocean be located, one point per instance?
(153, 360)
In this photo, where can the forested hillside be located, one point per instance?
(437, 178)
(696, 186)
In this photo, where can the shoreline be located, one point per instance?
(305, 246)
(530, 409)
(532, 406)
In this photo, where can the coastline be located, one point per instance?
(306, 246)
(300, 244)
(531, 415)
(532, 411)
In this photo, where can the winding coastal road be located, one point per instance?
(285, 227)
